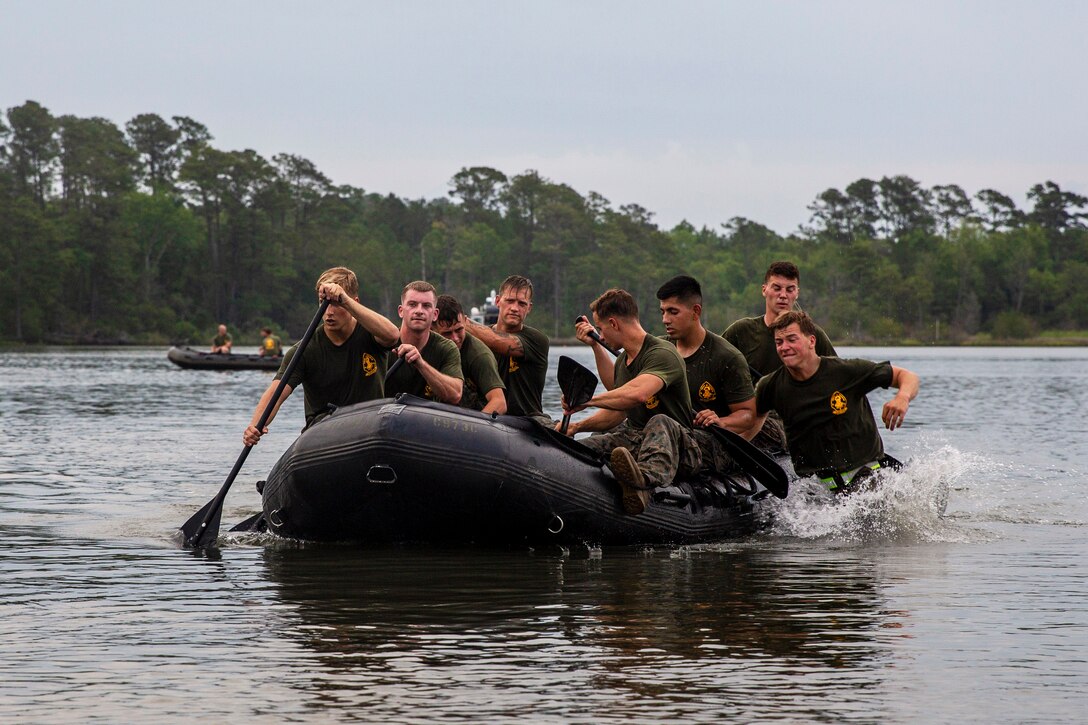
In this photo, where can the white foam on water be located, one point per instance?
(906, 505)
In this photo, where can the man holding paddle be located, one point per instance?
(648, 412)
(823, 403)
(484, 389)
(433, 364)
(345, 361)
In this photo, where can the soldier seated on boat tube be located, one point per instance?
(484, 389)
(822, 401)
(719, 384)
(345, 361)
(271, 346)
(647, 414)
(222, 342)
(432, 366)
(521, 352)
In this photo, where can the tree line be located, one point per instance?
(150, 233)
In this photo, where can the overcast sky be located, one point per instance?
(700, 110)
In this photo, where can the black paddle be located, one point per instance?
(257, 522)
(596, 337)
(202, 528)
(577, 384)
(762, 467)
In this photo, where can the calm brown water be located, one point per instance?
(878, 611)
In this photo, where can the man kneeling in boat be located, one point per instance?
(484, 389)
(648, 412)
(433, 365)
(345, 360)
(823, 403)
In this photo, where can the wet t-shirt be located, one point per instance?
(337, 374)
(524, 376)
(755, 341)
(717, 375)
(660, 358)
(829, 422)
(481, 373)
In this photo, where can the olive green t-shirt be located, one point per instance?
(659, 358)
(440, 353)
(220, 340)
(524, 376)
(829, 422)
(755, 341)
(337, 374)
(481, 373)
(271, 346)
(717, 375)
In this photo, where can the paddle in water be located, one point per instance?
(202, 528)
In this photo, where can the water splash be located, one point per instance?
(907, 505)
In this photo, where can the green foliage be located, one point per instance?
(152, 233)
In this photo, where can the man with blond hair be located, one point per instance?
(432, 366)
(344, 362)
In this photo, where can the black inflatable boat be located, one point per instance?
(411, 470)
(191, 359)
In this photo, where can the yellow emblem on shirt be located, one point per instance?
(370, 365)
(513, 365)
(707, 392)
(652, 402)
(838, 403)
(427, 392)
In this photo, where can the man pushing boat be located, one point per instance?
(648, 413)
(822, 401)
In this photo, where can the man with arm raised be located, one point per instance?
(344, 362)
(521, 352)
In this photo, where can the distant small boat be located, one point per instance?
(190, 359)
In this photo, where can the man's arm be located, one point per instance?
(445, 388)
(606, 363)
(496, 401)
(895, 410)
(385, 333)
(741, 419)
(500, 343)
(251, 436)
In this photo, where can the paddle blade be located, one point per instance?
(762, 467)
(576, 381)
(194, 533)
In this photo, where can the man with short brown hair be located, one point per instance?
(483, 390)
(822, 401)
(432, 366)
(648, 412)
(521, 352)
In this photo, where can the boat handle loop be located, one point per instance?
(381, 473)
(556, 524)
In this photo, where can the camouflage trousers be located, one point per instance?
(663, 449)
(772, 436)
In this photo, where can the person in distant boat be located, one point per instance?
(822, 401)
(432, 366)
(521, 352)
(271, 346)
(221, 343)
(345, 361)
(484, 389)
(647, 414)
(753, 336)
